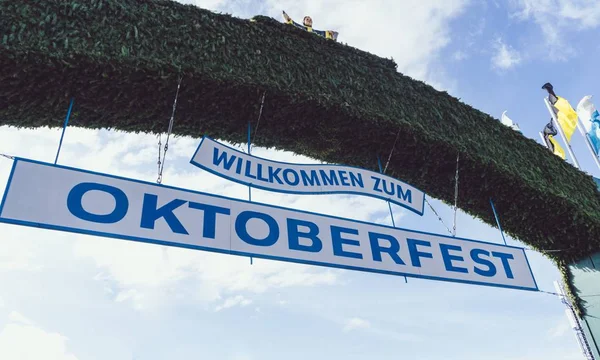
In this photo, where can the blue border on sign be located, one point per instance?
(10, 177)
(254, 185)
(239, 253)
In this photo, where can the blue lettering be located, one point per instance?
(343, 177)
(241, 228)
(331, 179)
(150, 213)
(404, 196)
(248, 168)
(338, 241)
(273, 175)
(445, 248)
(75, 206)
(504, 257)
(222, 158)
(294, 235)
(295, 180)
(377, 249)
(356, 179)
(491, 271)
(259, 173)
(210, 217)
(391, 192)
(312, 180)
(376, 185)
(415, 254)
(238, 168)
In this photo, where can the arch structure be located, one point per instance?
(121, 60)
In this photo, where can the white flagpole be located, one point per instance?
(543, 140)
(560, 131)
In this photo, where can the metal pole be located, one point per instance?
(543, 140)
(63, 131)
(249, 186)
(381, 170)
(389, 205)
(584, 345)
(498, 221)
(562, 134)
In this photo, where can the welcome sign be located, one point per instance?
(246, 169)
(62, 198)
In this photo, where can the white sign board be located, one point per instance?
(62, 198)
(260, 173)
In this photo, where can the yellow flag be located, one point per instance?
(558, 150)
(567, 117)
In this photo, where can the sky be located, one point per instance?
(66, 296)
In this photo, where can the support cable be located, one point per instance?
(391, 152)
(161, 163)
(262, 103)
(455, 195)
(438, 216)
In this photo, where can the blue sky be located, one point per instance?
(68, 297)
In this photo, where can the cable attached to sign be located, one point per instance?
(160, 163)
(7, 156)
(389, 204)
(455, 195)
(438, 216)
(66, 123)
(262, 103)
(497, 221)
(391, 151)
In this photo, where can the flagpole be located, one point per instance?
(543, 140)
(587, 141)
(562, 134)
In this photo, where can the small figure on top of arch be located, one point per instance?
(307, 25)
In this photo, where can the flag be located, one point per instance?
(567, 117)
(590, 117)
(508, 122)
(556, 148)
(548, 136)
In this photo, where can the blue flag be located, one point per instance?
(590, 117)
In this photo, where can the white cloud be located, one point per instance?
(386, 28)
(557, 18)
(356, 324)
(560, 329)
(18, 318)
(21, 339)
(505, 57)
(391, 29)
(19, 251)
(237, 300)
(459, 55)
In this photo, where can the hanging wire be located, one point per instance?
(438, 216)
(8, 156)
(542, 250)
(250, 141)
(427, 201)
(391, 151)
(262, 103)
(160, 163)
(455, 195)
(549, 292)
